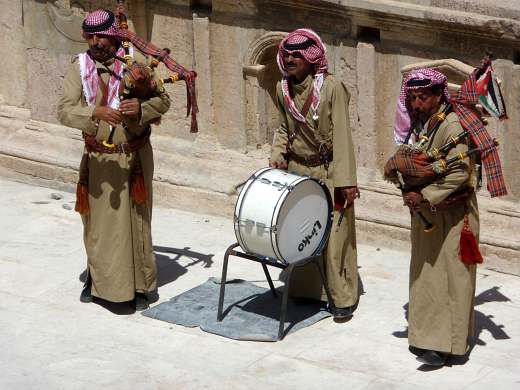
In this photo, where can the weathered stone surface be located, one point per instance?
(14, 76)
(232, 45)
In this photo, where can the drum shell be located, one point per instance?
(274, 215)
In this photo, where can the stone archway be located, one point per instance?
(261, 74)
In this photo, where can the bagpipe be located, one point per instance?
(413, 166)
(138, 79)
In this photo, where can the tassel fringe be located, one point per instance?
(468, 246)
(82, 205)
(138, 189)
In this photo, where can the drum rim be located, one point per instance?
(328, 226)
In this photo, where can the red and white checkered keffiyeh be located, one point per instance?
(90, 79)
(102, 22)
(309, 45)
(430, 78)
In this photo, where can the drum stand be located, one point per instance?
(230, 251)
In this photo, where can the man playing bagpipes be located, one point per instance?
(438, 178)
(113, 97)
(315, 139)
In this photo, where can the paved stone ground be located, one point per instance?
(49, 340)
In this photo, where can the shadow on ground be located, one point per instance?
(482, 322)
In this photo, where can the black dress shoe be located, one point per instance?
(433, 358)
(342, 313)
(86, 294)
(141, 301)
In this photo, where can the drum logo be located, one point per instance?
(307, 240)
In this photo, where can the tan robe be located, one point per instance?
(442, 287)
(333, 126)
(117, 232)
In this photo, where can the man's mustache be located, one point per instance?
(100, 48)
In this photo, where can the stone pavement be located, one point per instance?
(49, 340)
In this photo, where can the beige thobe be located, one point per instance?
(442, 287)
(331, 126)
(117, 232)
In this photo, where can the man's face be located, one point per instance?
(424, 103)
(102, 47)
(297, 66)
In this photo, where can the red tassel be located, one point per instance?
(138, 190)
(468, 246)
(339, 199)
(82, 205)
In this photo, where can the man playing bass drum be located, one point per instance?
(315, 139)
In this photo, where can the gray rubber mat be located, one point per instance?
(250, 312)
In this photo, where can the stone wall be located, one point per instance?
(232, 45)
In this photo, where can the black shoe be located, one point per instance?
(342, 313)
(416, 351)
(433, 358)
(86, 294)
(141, 301)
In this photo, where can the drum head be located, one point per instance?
(303, 221)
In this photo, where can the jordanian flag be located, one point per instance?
(489, 94)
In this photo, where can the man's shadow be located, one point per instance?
(168, 270)
(482, 322)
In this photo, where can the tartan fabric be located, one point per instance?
(307, 43)
(163, 55)
(413, 164)
(466, 98)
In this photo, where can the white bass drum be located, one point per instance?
(283, 216)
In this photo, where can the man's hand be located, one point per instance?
(413, 200)
(107, 114)
(350, 193)
(279, 164)
(130, 108)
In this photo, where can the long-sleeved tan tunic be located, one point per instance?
(117, 232)
(332, 127)
(442, 287)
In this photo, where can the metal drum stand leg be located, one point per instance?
(229, 250)
(265, 262)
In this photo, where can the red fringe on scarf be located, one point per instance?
(138, 189)
(468, 246)
(82, 205)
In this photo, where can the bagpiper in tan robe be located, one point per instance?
(117, 231)
(333, 128)
(442, 287)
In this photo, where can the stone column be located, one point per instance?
(366, 109)
(137, 11)
(510, 145)
(254, 106)
(202, 65)
(13, 78)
